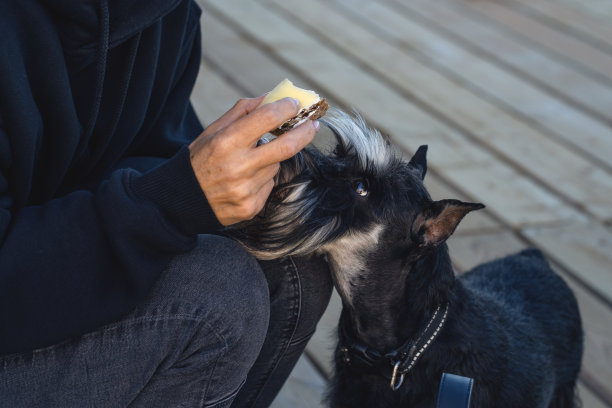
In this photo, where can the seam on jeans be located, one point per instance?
(226, 398)
(299, 306)
(212, 330)
(289, 340)
(195, 317)
(212, 372)
(300, 339)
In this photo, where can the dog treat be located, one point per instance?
(312, 106)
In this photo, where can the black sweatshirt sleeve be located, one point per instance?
(83, 260)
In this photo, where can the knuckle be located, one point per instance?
(242, 102)
(289, 148)
(240, 194)
(249, 209)
(236, 170)
(231, 176)
(219, 142)
(268, 188)
(272, 115)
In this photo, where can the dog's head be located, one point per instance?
(360, 204)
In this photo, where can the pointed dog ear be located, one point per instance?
(419, 161)
(439, 220)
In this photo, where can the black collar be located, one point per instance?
(395, 364)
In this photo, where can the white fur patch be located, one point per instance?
(347, 256)
(372, 149)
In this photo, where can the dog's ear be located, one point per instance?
(439, 219)
(419, 161)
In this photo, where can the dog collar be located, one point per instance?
(395, 364)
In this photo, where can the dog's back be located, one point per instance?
(534, 309)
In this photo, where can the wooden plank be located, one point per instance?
(510, 139)
(240, 59)
(597, 324)
(582, 55)
(477, 222)
(582, 247)
(589, 399)
(323, 343)
(212, 95)
(536, 206)
(420, 128)
(477, 73)
(226, 46)
(352, 85)
(566, 18)
(470, 31)
(597, 9)
(469, 251)
(305, 388)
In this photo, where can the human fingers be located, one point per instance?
(242, 189)
(247, 130)
(263, 194)
(265, 174)
(231, 211)
(287, 145)
(240, 109)
(259, 200)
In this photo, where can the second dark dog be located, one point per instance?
(512, 324)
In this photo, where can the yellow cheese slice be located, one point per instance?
(286, 89)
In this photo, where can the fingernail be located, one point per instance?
(296, 102)
(316, 124)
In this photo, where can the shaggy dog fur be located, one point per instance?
(512, 324)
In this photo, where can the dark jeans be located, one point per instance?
(218, 330)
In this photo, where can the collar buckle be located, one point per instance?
(393, 385)
(402, 359)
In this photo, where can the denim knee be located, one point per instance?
(225, 287)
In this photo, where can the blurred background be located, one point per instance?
(513, 97)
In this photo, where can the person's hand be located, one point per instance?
(234, 173)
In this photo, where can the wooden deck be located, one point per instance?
(513, 97)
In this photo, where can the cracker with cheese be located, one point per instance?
(312, 106)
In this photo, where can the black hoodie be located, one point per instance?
(97, 193)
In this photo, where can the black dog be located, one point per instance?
(512, 324)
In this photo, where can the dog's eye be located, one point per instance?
(360, 187)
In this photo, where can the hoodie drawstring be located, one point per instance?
(125, 82)
(120, 104)
(103, 47)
